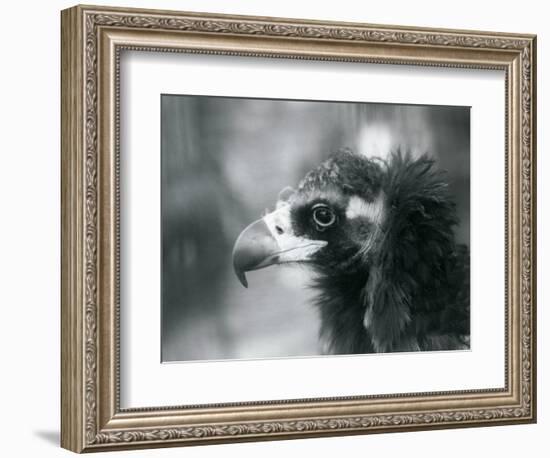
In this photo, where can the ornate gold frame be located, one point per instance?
(92, 38)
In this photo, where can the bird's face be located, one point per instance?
(324, 222)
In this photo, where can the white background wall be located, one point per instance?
(29, 226)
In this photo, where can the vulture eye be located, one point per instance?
(323, 217)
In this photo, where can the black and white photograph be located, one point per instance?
(277, 223)
(300, 228)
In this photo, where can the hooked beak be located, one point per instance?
(269, 241)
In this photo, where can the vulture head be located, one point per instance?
(379, 237)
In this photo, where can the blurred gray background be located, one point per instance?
(224, 161)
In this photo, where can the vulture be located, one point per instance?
(379, 237)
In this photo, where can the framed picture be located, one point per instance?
(278, 228)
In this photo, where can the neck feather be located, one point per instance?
(341, 305)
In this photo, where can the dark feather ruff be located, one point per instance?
(411, 290)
